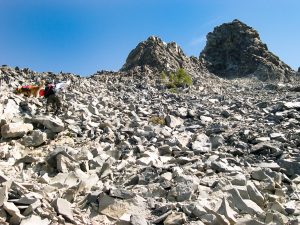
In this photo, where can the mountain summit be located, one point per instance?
(235, 50)
(160, 56)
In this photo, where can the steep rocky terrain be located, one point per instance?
(125, 151)
(235, 50)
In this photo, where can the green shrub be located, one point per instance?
(163, 76)
(180, 79)
(174, 90)
(157, 120)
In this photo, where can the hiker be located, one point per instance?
(53, 95)
(52, 99)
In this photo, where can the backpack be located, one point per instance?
(49, 90)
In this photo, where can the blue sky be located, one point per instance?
(81, 36)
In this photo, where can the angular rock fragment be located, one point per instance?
(175, 218)
(138, 220)
(173, 121)
(244, 205)
(290, 166)
(36, 138)
(216, 141)
(255, 195)
(227, 211)
(14, 130)
(63, 207)
(56, 125)
(3, 195)
(33, 219)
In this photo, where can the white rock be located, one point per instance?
(239, 179)
(245, 205)
(254, 194)
(63, 207)
(13, 130)
(175, 218)
(11, 208)
(3, 195)
(34, 220)
(227, 211)
(292, 105)
(173, 121)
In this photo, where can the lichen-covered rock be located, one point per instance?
(235, 50)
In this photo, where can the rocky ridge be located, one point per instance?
(156, 56)
(224, 152)
(232, 50)
(235, 50)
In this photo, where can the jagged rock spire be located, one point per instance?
(235, 50)
(160, 56)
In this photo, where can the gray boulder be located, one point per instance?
(54, 124)
(36, 138)
(290, 166)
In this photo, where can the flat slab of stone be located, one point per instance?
(227, 211)
(14, 130)
(292, 105)
(111, 207)
(115, 208)
(291, 166)
(244, 205)
(175, 218)
(11, 208)
(258, 148)
(54, 124)
(254, 194)
(34, 220)
(63, 207)
(271, 165)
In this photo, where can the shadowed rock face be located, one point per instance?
(235, 50)
(161, 56)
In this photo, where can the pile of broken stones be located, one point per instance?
(227, 153)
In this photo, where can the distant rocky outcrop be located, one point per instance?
(235, 50)
(160, 56)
